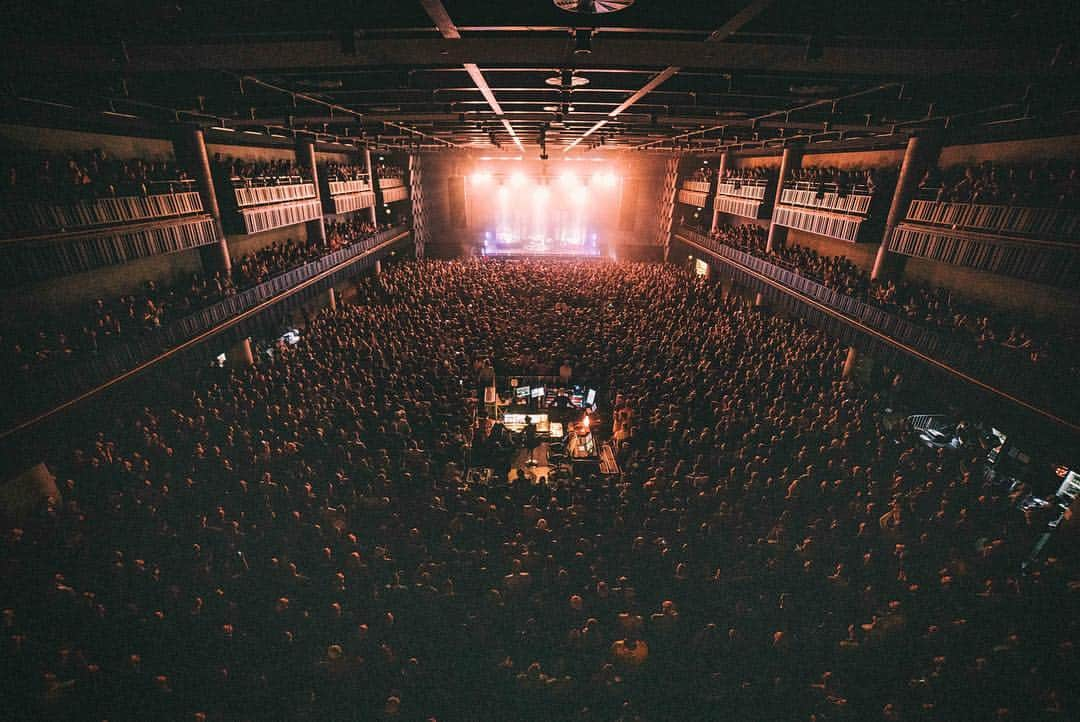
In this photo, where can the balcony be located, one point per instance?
(696, 186)
(400, 193)
(265, 193)
(341, 188)
(78, 378)
(827, 197)
(694, 198)
(392, 182)
(994, 364)
(744, 198)
(35, 259)
(1046, 223)
(352, 202)
(754, 189)
(279, 215)
(43, 217)
(1041, 245)
(823, 223)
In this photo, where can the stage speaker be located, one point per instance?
(455, 187)
(628, 203)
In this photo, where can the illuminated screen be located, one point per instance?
(538, 392)
(522, 392)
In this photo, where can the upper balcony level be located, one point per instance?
(41, 217)
(391, 182)
(344, 187)
(273, 189)
(827, 196)
(745, 197)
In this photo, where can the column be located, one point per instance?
(240, 355)
(791, 160)
(849, 362)
(332, 301)
(305, 158)
(719, 179)
(189, 146)
(374, 185)
(921, 153)
(378, 267)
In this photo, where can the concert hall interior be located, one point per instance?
(613, 360)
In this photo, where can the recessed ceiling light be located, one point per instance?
(576, 81)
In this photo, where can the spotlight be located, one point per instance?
(583, 41)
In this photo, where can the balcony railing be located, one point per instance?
(28, 260)
(391, 182)
(1053, 263)
(828, 200)
(753, 188)
(339, 188)
(1043, 223)
(399, 193)
(261, 195)
(1001, 365)
(823, 223)
(744, 207)
(279, 215)
(79, 377)
(696, 186)
(38, 218)
(693, 198)
(352, 202)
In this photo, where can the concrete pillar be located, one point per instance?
(189, 146)
(921, 153)
(378, 266)
(332, 301)
(759, 300)
(791, 160)
(370, 167)
(240, 354)
(305, 158)
(849, 362)
(719, 179)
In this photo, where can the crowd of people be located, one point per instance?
(704, 174)
(260, 172)
(734, 175)
(343, 171)
(923, 304)
(387, 170)
(1043, 185)
(77, 334)
(296, 539)
(843, 180)
(86, 176)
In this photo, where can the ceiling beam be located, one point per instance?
(441, 18)
(738, 20)
(1029, 59)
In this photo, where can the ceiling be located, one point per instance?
(499, 76)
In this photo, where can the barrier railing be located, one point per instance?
(823, 223)
(1004, 366)
(1056, 264)
(828, 200)
(392, 182)
(264, 181)
(279, 215)
(1046, 223)
(753, 188)
(353, 202)
(118, 359)
(260, 195)
(45, 217)
(27, 260)
(696, 186)
(338, 187)
(693, 198)
(398, 193)
(744, 207)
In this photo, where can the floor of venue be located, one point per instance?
(297, 539)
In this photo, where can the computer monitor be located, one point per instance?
(538, 392)
(590, 398)
(522, 392)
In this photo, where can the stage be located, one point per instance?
(506, 244)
